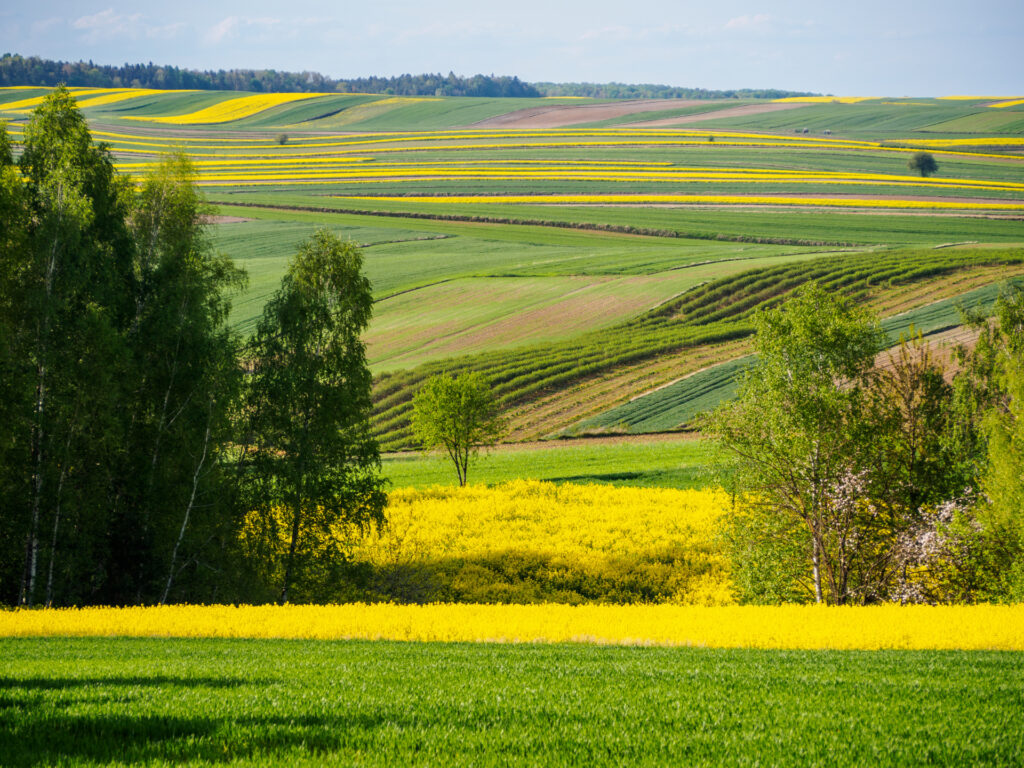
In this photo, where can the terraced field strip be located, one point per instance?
(678, 404)
(231, 109)
(817, 202)
(468, 315)
(555, 414)
(440, 272)
(26, 105)
(715, 313)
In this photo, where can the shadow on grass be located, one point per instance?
(135, 681)
(695, 478)
(39, 737)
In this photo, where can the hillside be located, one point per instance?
(599, 260)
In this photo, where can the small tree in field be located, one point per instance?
(459, 414)
(923, 163)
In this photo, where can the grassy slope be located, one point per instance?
(874, 119)
(703, 318)
(427, 114)
(534, 266)
(89, 702)
(677, 463)
(677, 405)
(826, 226)
(474, 281)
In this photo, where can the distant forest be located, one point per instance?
(32, 70)
(653, 91)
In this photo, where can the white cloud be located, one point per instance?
(45, 25)
(222, 29)
(108, 25)
(232, 26)
(757, 21)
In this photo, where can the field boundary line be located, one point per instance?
(623, 229)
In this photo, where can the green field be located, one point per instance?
(679, 463)
(592, 313)
(205, 702)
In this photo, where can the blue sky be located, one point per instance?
(854, 48)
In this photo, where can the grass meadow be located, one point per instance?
(131, 701)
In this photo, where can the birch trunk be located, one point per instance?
(188, 510)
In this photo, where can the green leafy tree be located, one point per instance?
(1001, 350)
(15, 375)
(117, 372)
(458, 414)
(185, 378)
(316, 465)
(794, 432)
(72, 289)
(923, 162)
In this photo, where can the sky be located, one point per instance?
(859, 48)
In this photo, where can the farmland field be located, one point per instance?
(601, 263)
(546, 241)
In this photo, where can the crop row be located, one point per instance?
(676, 405)
(718, 311)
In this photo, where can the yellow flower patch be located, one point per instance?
(232, 109)
(976, 627)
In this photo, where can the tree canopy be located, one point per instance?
(923, 162)
(33, 70)
(133, 447)
(308, 400)
(458, 414)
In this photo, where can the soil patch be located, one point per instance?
(743, 111)
(227, 219)
(559, 115)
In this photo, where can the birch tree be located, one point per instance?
(314, 460)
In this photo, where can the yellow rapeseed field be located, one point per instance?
(26, 105)
(533, 542)
(979, 627)
(113, 98)
(525, 541)
(232, 109)
(1010, 103)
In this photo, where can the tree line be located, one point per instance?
(654, 91)
(147, 453)
(864, 476)
(33, 70)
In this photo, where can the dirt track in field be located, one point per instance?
(227, 219)
(743, 111)
(560, 115)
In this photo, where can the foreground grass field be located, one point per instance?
(160, 702)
